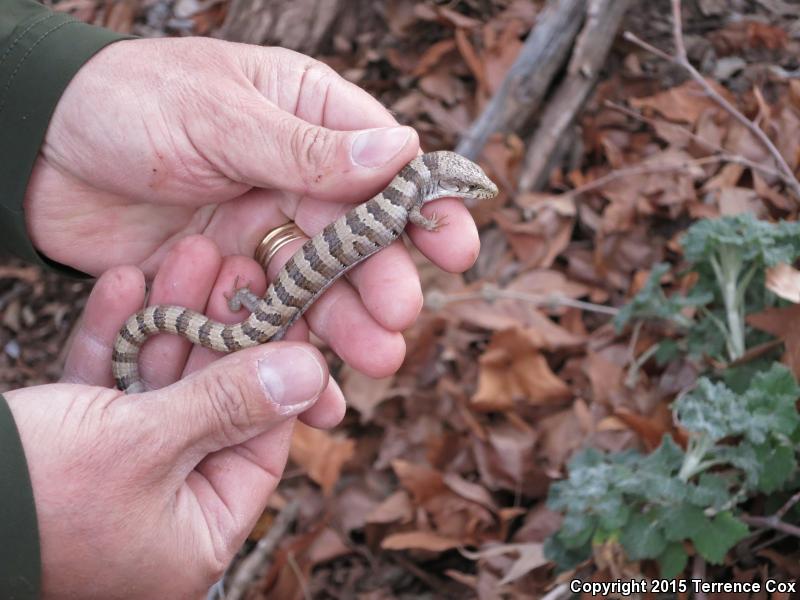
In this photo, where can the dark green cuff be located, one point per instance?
(20, 563)
(40, 52)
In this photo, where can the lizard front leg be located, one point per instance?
(417, 218)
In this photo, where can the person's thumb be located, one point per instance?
(239, 396)
(291, 154)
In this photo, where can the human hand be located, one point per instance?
(157, 139)
(161, 488)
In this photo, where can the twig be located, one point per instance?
(772, 523)
(723, 154)
(787, 506)
(428, 579)
(680, 58)
(543, 54)
(436, 300)
(298, 573)
(255, 564)
(550, 141)
(560, 592)
(641, 170)
(699, 572)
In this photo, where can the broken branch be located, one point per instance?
(680, 58)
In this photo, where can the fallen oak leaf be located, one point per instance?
(530, 557)
(784, 281)
(421, 481)
(470, 491)
(512, 369)
(320, 454)
(650, 430)
(431, 57)
(395, 508)
(783, 323)
(419, 540)
(364, 393)
(683, 103)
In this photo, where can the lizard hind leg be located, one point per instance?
(242, 296)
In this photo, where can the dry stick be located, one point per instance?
(680, 58)
(436, 300)
(774, 521)
(721, 152)
(591, 49)
(298, 573)
(254, 564)
(642, 170)
(699, 573)
(560, 592)
(542, 55)
(787, 506)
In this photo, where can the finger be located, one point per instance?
(388, 284)
(329, 410)
(454, 247)
(234, 399)
(239, 226)
(117, 295)
(238, 481)
(313, 91)
(240, 271)
(186, 279)
(264, 146)
(340, 319)
(235, 484)
(234, 272)
(330, 407)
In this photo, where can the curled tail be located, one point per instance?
(192, 325)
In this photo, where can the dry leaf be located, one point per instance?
(784, 281)
(421, 481)
(513, 369)
(396, 508)
(419, 540)
(783, 323)
(685, 102)
(320, 454)
(364, 393)
(432, 55)
(529, 557)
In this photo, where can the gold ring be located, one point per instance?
(275, 240)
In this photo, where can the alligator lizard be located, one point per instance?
(340, 246)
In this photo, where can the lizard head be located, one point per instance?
(459, 177)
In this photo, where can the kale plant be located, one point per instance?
(743, 426)
(739, 444)
(728, 255)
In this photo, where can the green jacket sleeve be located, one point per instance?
(40, 52)
(19, 534)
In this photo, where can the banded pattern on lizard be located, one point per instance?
(339, 247)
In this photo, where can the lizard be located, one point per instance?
(340, 246)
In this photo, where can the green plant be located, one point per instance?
(652, 503)
(743, 427)
(730, 256)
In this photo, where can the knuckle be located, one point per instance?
(218, 558)
(313, 149)
(229, 405)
